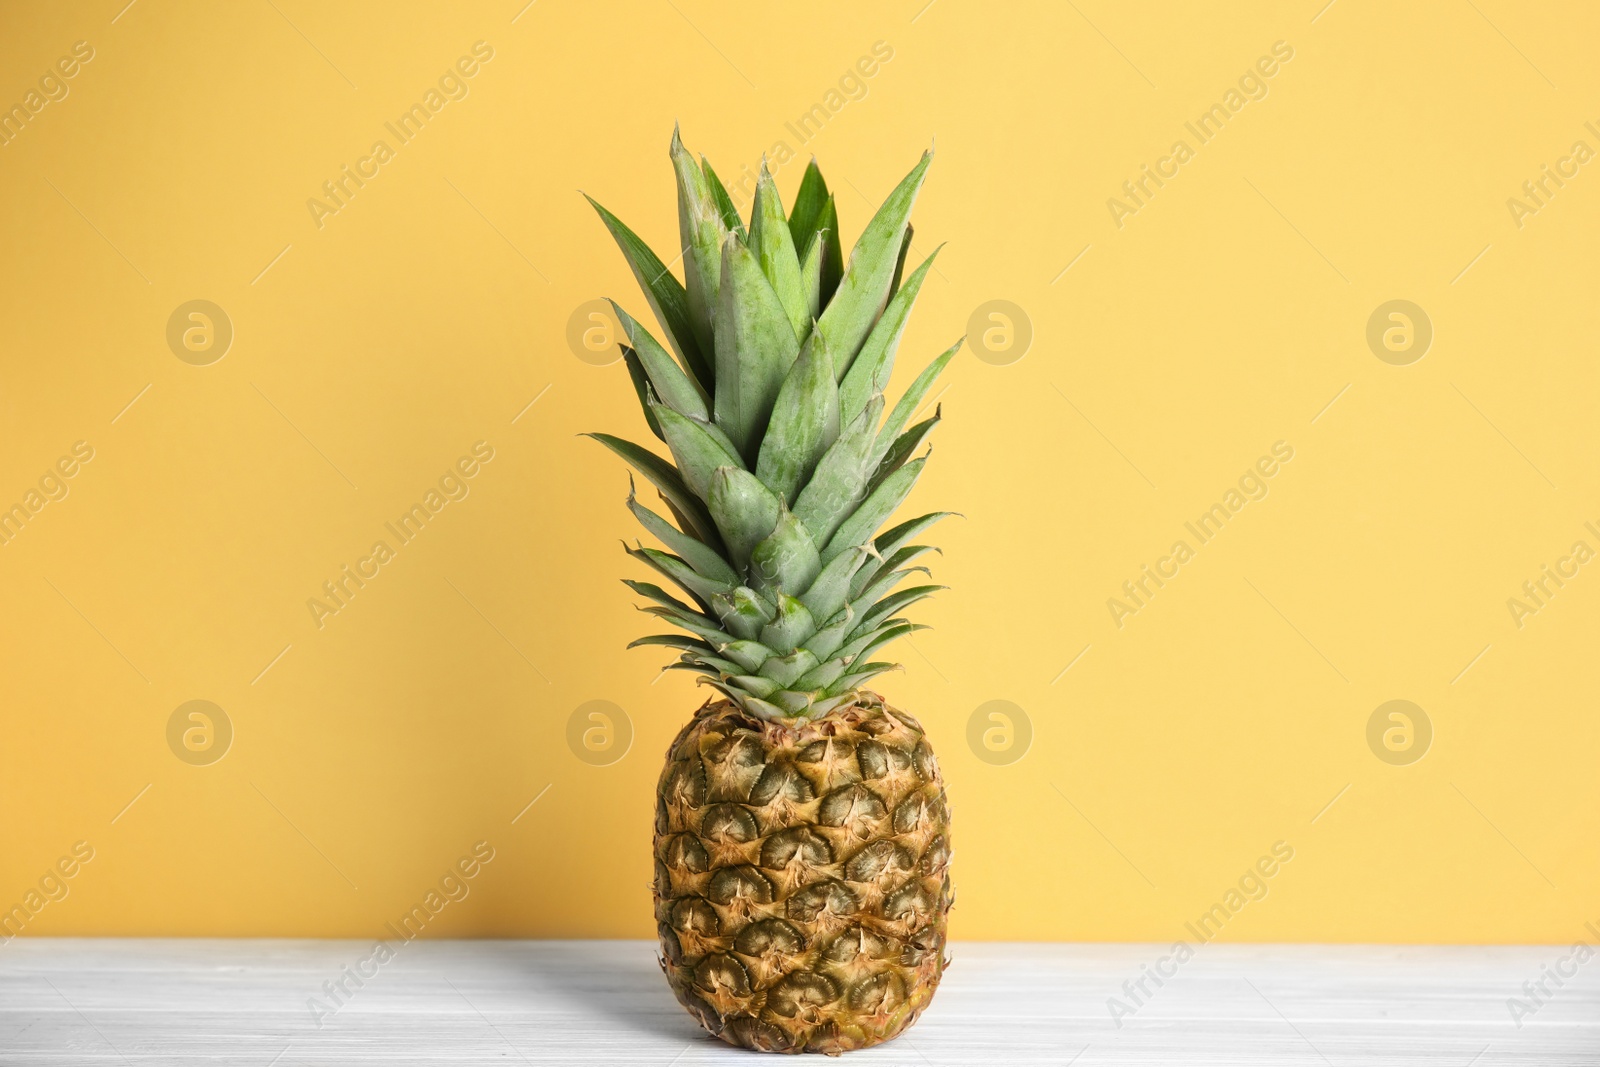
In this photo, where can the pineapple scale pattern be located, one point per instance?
(802, 876)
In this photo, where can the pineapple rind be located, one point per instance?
(802, 875)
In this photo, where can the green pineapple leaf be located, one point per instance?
(675, 388)
(840, 478)
(864, 290)
(692, 621)
(852, 681)
(791, 626)
(678, 641)
(827, 640)
(641, 386)
(786, 670)
(903, 448)
(725, 667)
(869, 374)
(828, 593)
(805, 421)
(744, 510)
(881, 586)
(769, 394)
(666, 478)
(719, 193)
(900, 264)
(878, 506)
(891, 631)
(755, 348)
(755, 683)
(909, 403)
(659, 595)
(786, 559)
(805, 216)
(869, 575)
(698, 447)
(664, 293)
(773, 248)
(692, 550)
(742, 611)
(830, 239)
(891, 541)
(811, 281)
(891, 605)
(700, 233)
(750, 655)
(863, 645)
(822, 676)
(682, 575)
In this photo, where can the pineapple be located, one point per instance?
(802, 839)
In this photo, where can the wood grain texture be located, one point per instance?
(245, 1003)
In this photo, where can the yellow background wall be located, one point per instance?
(372, 351)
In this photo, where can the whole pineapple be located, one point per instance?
(802, 838)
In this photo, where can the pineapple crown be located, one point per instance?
(771, 404)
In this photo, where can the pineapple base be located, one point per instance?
(802, 875)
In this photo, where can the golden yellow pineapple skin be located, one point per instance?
(803, 875)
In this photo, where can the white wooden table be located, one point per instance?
(605, 1002)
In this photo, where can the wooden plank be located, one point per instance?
(80, 1001)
